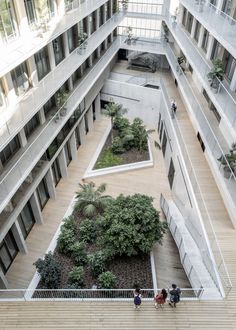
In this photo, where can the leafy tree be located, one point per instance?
(76, 276)
(113, 110)
(130, 225)
(117, 146)
(50, 271)
(87, 230)
(140, 134)
(90, 200)
(121, 123)
(107, 280)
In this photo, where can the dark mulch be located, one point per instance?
(128, 157)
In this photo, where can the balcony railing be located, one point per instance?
(26, 46)
(144, 7)
(225, 102)
(219, 23)
(14, 178)
(36, 97)
(91, 294)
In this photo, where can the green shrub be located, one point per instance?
(79, 254)
(69, 223)
(130, 225)
(140, 134)
(76, 276)
(66, 240)
(117, 146)
(108, 159)
(97, 262)
(121, 123)
(107, 280)
(50, 271)
(87, 230)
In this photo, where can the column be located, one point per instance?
(90, 61)
(201, 36)
(65, 44)
(22, 138)
(210, 46)
(18, 236)
(88, 27)
(70, 83)
(104, 13)
(110, 8)
(61, 7)
(98, 106)
(90, 118)
(50, 184)
(1, 166)
(32, 71)
(9, 88)
(62, 164)
(97, 19)
(51, 56)
(21, 17)
(193, 27)
(73, 148)
(105, 44)
(36, 209)
(98, 52)
(82, 131)
(42, 117)
(3, 281)
(219, 5)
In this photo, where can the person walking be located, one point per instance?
(173, 107)
(160, 299)
(137, 298)
(175, 293)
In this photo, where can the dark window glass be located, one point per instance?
(205, 40)
(56, 172)
(197, 31)
(31, 125)
(42, 63)
(8, 152)
(43, 194)
(30, 11)
(20, 79)
(8, 251)
(171, 173)
(72, 34)
(164, 142)
(26, 220)
(68, 153)
(58, 48)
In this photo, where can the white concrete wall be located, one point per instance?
(140, 101)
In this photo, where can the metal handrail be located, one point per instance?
(91, 294)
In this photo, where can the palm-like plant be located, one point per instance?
(90, 200)
(113, 110)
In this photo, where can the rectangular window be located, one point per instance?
(189, 22)
(8, 28)
(68, 153)
(30, 11)
(42, 63)
(171, 173)
(205, 40)
(184, 17)
(8, 251)
(58, 48)
(229, 65)
(215, 50)
(56, 172)
(20, 79)
(72, 35)
(9, 151)
(43, 194)
(31, 125)
(26, 220)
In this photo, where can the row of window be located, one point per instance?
(218, 51)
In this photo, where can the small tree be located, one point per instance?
(140, 134)
(76, 276)
(97, 262)
(49, 270)
(91, 200)
(113, 110)
(130, 225)
(87, 230)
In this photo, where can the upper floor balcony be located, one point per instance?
(218, 23)
(30, 43)
(13, 179)
(225, 99)
(13, 119)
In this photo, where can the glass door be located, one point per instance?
(43, 194)
(26, 220)
(8, 251)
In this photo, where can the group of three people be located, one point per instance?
(160, 298)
